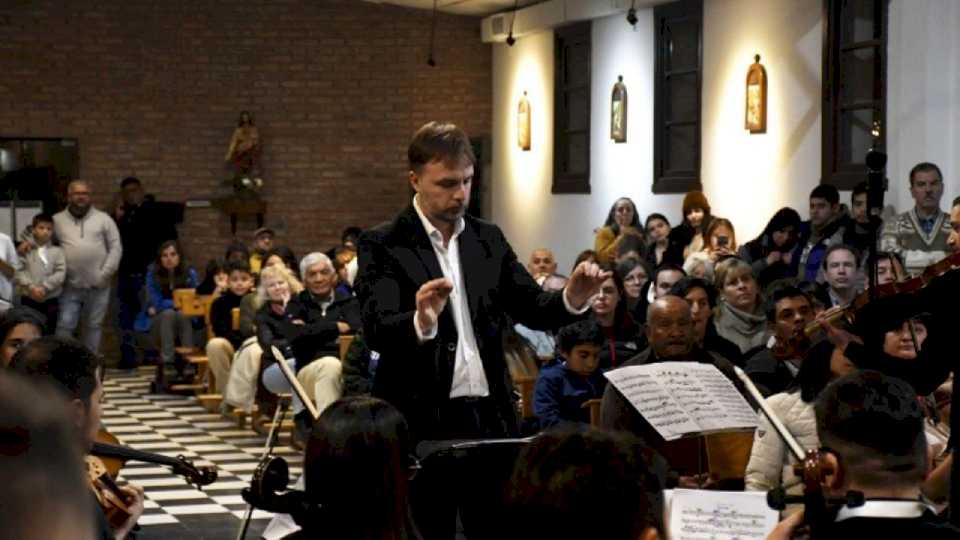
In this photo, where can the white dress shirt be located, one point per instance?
(469, 379)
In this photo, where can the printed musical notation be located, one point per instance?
(684, 398)
(718, 515)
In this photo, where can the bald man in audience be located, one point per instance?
(672, 337)
(542, 264)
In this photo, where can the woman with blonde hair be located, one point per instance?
(739, 316)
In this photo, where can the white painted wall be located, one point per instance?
(522, 203)
(746, 177)
(923, 84)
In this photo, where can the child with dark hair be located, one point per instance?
(563, 387)
(227, 340)
(43, 271)
(214, 279)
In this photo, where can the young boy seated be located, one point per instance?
(563, 387)
(43, 271)
(221, 348)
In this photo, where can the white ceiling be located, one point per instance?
(480, 8)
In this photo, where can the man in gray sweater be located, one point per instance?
(91, 243)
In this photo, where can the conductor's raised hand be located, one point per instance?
(584, 283)
(431, 299)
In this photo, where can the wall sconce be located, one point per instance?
(523, 122)
(755, 116)
(618, 111)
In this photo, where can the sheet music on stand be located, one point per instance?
(684, 398)
(693, 514)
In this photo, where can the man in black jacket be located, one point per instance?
(438, 288)
(329, 314)
(144, 224)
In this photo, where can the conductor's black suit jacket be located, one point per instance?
(395, 259)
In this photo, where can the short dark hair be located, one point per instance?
(579, 333)
(64, 361)
(688, 283)
(42, 218)
(351, 233)
(826, 192)
(18, 315)
(237, 266)
(129, 180)
(439, 141)
(631, 242)
(859, 189)
(664, 267)
(925, 166)
(874, 422)
(956, 202)
(838, 247)
(561, 477)
(653, 216)
(779, 290)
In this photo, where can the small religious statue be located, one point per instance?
(523, 123)
(618, 111)
(243, 156)
(756, 109)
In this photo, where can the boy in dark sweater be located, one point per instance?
(221, 348)
(563, 387)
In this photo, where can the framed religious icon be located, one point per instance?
(756, 109)
(523, 123)
(618, 111)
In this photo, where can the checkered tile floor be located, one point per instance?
(176, 425)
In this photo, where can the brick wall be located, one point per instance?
(153, 89)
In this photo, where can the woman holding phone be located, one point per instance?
(770, 253)
(719, 243)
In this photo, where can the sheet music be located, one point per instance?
(718, 515)
(684, 398)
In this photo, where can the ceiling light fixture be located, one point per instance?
(510, 39)
(433, 35)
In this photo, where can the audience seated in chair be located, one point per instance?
(18, 327)
(159, 316)
(622, 336)
(719, 242)
(773, 366)
(622, 222)
(563, 387)
(702, 298)
(227, 340)
(739, 316)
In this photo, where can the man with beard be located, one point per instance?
(920, 234)
(91, 244)
(773, 367)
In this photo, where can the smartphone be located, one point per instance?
(723, 241)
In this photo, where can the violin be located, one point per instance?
(107, 458)
(841, 316)
(115, 456)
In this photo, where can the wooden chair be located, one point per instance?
(344, 342)
(190, 304)
(594, 406)
(525, 385)
(728, 454)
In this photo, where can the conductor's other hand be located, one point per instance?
(584, 283)
(431, 299)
